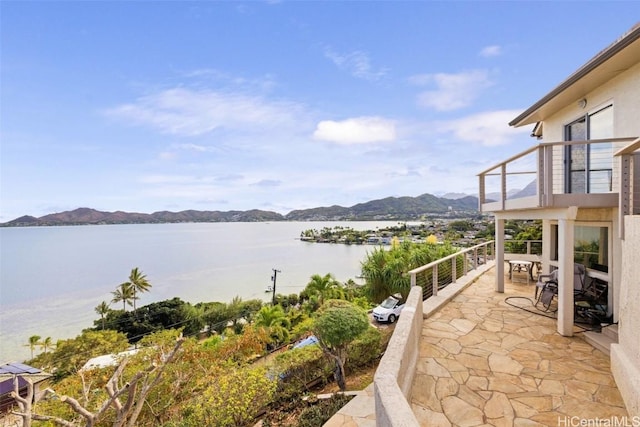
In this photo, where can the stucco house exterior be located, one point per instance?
(586, 170)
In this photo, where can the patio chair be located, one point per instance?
(589, 294)
(579, 278)
(546, 289)
(591, 302)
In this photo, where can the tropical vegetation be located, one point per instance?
(235, 360)
(385, 271)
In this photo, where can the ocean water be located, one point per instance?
(51, 278)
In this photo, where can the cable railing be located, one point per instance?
(630, 186)
(526, 247)
(556, 174)
(438, 274)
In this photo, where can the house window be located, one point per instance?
(589, 167)
(591, 247)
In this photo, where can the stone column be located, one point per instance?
(499, 255)
(565, 276)
(548, 242)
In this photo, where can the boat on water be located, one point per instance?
(269, 289)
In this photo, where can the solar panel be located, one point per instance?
(18, 368)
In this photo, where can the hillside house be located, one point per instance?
(586, 171)
(23, 373)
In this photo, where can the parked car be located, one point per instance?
(389, 310)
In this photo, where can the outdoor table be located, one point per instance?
(519, 265)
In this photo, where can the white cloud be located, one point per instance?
(190, 179)
(232, 177)
(358, 130)
(267, 183)
(172, 153)
(189, 112)
(262, 84)
(490, 51)
(357, 63)
(453, 91)
(488, 128)
(193, 147)
(167, 155)
(169, 179)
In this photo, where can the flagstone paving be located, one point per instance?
(485, 363)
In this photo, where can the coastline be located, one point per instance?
(62, 273)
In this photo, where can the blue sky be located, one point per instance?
(147, 106)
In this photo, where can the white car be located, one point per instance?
(389, 310)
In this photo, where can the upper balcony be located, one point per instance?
(585, 174)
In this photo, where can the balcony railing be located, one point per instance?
(545, 176)
(438, 274)
(523, 247)
(630, 185)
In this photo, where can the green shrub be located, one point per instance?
(320, 412)
(302, 329)
(297, 369)
(366, 348)
(232, 399)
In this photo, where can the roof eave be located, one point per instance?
(531, 114)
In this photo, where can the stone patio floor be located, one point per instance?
(485, 363)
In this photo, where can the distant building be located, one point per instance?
(24, 373)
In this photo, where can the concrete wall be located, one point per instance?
(394, 376)
(625, 356)
(623, 91)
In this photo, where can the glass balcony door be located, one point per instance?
(589, 167)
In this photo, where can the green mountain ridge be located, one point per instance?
(391, 208)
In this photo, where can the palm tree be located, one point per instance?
(274, 319)
(124, 293)
(102, 309)
(139, 283)
(34, 340)
(384, 272)
(326, 287)
(45, 344)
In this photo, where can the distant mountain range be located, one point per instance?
(390, 208)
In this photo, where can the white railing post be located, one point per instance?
(625, 195)
(465, 264)
(434, 280)
(481, 188)
(435, 265)
(541, 178)
(454, 273)
(499, 254)
(548, 176)
(503, 185)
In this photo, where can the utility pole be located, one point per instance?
(273, 279)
